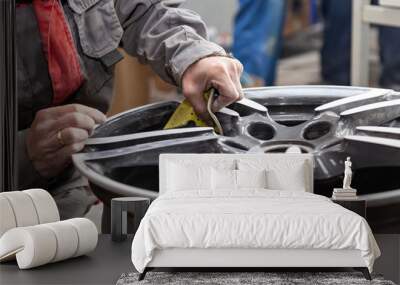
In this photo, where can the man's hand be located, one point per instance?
(222, 73)
(57, 133)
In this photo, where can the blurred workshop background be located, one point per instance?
(281, 42)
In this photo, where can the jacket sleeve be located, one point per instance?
(166, 37)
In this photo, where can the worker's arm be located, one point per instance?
(171, 40)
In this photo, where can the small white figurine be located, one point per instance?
(347, 174)
(346, 193)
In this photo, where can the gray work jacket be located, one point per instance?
(157, 32)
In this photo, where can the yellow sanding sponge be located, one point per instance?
(185, 115)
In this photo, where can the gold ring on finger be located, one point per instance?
(60, 139)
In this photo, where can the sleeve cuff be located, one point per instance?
(196, 51)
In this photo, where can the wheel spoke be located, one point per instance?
(384, 132)
(371, 114)
(341, 105)
(247, 107)
(132, 154)
(103, 143)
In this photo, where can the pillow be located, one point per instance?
(284, 173)
(231, 180)
(183, 177)
(251, 178)
(223, 179)
(293, 180)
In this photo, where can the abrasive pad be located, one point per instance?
(185, 114)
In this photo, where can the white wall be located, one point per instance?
(217, 13)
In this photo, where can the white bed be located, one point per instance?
(201, 219)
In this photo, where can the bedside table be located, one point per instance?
(126, 214)
(358, 206)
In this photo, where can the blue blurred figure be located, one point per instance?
(258, 39)
(336, 50)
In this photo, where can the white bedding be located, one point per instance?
(250, 219)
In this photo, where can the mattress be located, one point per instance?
(251, 219)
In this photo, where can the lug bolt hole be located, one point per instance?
(261, 131)
(317, 130)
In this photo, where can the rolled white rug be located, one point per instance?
(32, 246)
(37, 245)
(7, 218)
(87, 235)
(26, 208)
(45, 205)
(22, 207)
(67, 240)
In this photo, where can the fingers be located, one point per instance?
(94, 114)
(57, 133)
(67, 136)
(227, 94)
(194, 94)
(74, 135)
(60, 139)
(45, 119)
(65, 153)
(227, 82)
(74, 120)
(236, 78)
(221, 73)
